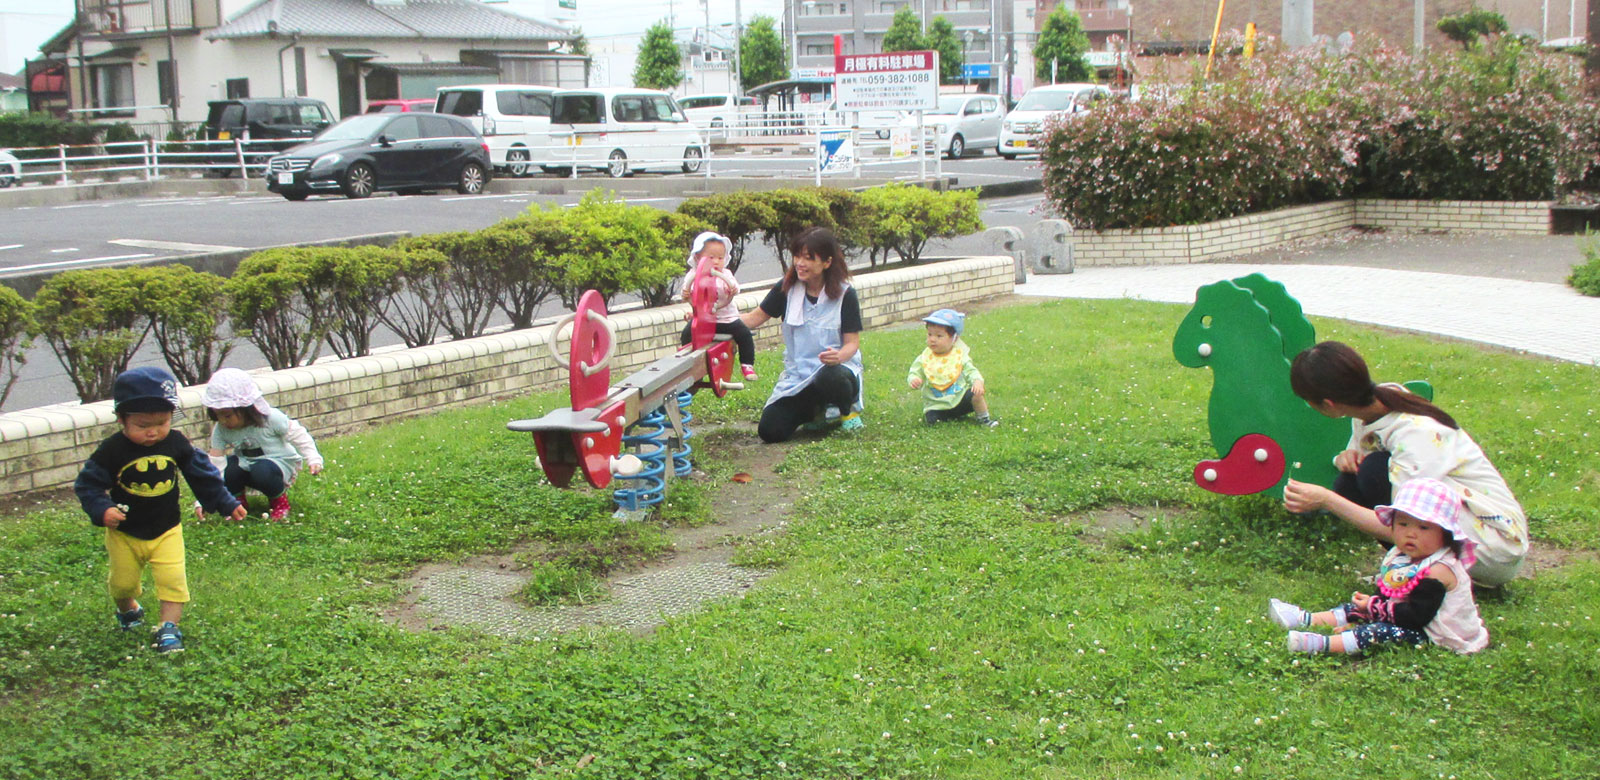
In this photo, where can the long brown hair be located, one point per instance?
(1331, 371)
(821, 243)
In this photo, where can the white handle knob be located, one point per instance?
(1261, 455)
(1210, 475)
(733, 385)
(625, 465)
(1205, 350)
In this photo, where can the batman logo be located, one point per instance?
(151, 475)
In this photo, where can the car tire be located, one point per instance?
(517, 162)
(359, 181)
(693, 158)
(881, 134)
(471, 180)
(1006, 156)
(958, 147)
(617, 164)
(294, 196)
(6, 180)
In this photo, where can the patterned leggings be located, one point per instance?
(1369, 634)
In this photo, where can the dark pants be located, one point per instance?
(741, 338)
(1370, 485)
(832, 386)
(956, 412)
(263, 475)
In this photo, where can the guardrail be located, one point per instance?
(62, 164)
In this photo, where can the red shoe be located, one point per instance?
(749, 371)
(278, 508)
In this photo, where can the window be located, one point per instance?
(664, 111)
(404, 128)
(819, 48)
(238, 88)
(523, 103)
(577, 109)
(312, 114)
(890, 6)
(628, 108)
(466, 102)
(435, 126)
(164, 81)
(113, 87)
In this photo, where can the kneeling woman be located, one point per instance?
(821, 339)
(1396, 437)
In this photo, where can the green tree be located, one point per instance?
(660, 62)
(905, 32)
(942, 38)
(16, 317)
(761, 54)
(1467, 28)
(1062, 41)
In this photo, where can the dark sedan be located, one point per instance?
(408, 152)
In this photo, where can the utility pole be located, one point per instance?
(738, 44)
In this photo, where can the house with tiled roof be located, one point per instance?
(150, 61)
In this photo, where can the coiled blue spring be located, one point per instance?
(680, 459)
(648, 439)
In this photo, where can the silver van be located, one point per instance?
(513, 118)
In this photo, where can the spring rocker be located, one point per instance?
(646, 413)
(1247, 330)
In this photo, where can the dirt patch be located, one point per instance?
(1102, 523)
(1542, 558)
(477, 592)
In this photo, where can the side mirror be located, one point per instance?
(385, 141)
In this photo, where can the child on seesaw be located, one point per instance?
(714, 246)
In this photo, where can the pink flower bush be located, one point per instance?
(1288, 128)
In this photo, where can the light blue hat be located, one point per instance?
(949, 318)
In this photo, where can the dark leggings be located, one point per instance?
(832, 386)
(1370, 485)
(741, 337)
(1369, 634)
(264, 475)
(956, 412)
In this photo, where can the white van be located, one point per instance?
(1020, 132)
(715, 113)
(622, 129)
(513, 118)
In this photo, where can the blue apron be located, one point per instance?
(808, 329)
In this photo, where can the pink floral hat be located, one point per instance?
(1431, 501)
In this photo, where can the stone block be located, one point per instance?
(1049, 246)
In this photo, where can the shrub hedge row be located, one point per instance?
(1495, 122)
(291, 302)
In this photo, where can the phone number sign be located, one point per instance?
(892, 81)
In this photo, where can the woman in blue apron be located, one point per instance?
(821, 340)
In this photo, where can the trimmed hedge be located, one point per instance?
(290, 302)
(1499, 122)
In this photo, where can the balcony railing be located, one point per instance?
(131, 17)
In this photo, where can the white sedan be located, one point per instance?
(10, 169)
(965, 123)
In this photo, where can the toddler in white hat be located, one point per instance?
(265, 449)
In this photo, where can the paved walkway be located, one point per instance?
(1536, 317)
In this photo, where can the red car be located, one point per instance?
(397, 106)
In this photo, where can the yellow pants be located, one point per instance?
(164, 556)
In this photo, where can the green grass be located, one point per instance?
(938, 611)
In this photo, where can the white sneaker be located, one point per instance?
(1287, 615)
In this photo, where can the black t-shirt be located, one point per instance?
(777, 303)
(145, 479)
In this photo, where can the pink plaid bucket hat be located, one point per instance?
(231, 388)
(1431, 501)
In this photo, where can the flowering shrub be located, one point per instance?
(1495, 123)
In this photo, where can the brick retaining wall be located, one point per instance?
(43, 448)
(1257, 232)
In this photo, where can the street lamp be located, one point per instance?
(966, 43)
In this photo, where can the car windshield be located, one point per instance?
(355, 128)
(950, 104)
(1039, 100)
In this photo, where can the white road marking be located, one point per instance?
(11, 246)
(82, 206)
(60, 251)
(487, 197)
(176, 246)
(81, 261)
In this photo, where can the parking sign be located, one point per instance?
(892, 81)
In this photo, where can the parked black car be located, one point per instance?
(267, 126)
(408, 152)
